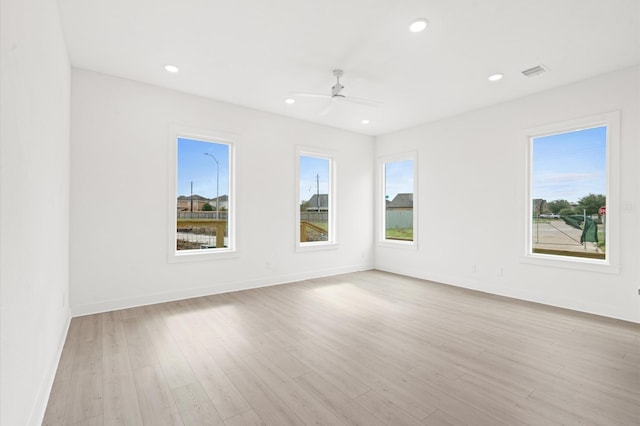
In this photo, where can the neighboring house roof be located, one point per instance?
(324, 202)
(221, 198)
(404, 200)
(195, 197)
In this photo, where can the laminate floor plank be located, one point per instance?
(57, 405)
(222, 393)
(309, 409)
(120, 399)
(368, 348)
(93, 421)
(195, 406)
(339, 403)
(385, 410)
(366, 373)
(174, 364)
(332, 371)
(139, 346)
(271, 409)
(156, 402)
(85, 397)
(247, 418)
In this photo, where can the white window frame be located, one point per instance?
(381, 200)
(178, 131)
(332, 238)
(612, 237)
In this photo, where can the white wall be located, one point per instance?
(471, 192)
(34, 206)
(119, 197)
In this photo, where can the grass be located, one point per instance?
(323, 225)
(405, 234)
(541, 220)
(601, 241)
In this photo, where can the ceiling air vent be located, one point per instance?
(537, 70)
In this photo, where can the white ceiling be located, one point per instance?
(256, 53)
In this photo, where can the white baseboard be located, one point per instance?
(42, 399)
(115, 304)
(519, 294)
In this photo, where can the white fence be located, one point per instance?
(202, 215)
(399, 219)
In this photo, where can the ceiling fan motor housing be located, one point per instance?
(335, 90)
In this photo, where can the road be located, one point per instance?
(557, 235)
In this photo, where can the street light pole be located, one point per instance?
(217, 184)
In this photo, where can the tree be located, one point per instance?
(568, 211)
(558, 205)
(207, 207)
(304, 206)
(591, 203)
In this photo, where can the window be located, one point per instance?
(202, 196)
(399, 201)
(315, 200)
(569, 190)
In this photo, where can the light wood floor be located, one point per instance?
(368, 348)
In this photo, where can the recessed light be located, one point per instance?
(171, 68)
(496, 77)
(290, 101)
(418, 25)
(365, 121)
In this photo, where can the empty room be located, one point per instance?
(362, 212)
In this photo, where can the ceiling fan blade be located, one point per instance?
(312, 95)
(327, 108)
(362, 101)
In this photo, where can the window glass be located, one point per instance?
(315, 199)
(203, 196)
(398, 199)
(569, 193)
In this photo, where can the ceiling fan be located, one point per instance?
(336, 95)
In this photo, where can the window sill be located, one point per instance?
(317, 246)
(201, 255)
(406, 245)
(577, 263)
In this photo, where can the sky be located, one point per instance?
(194, 166)
(310, 167)
(398, 178)
(569, 166)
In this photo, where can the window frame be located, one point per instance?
(612, 232)
(203, 135)
(332, 238)
(381, 201)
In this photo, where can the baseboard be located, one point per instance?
(477, 285)
(42, 399)
(115, 304)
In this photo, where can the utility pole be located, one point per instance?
(318, 193)
(217, 184)
(191, 195)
